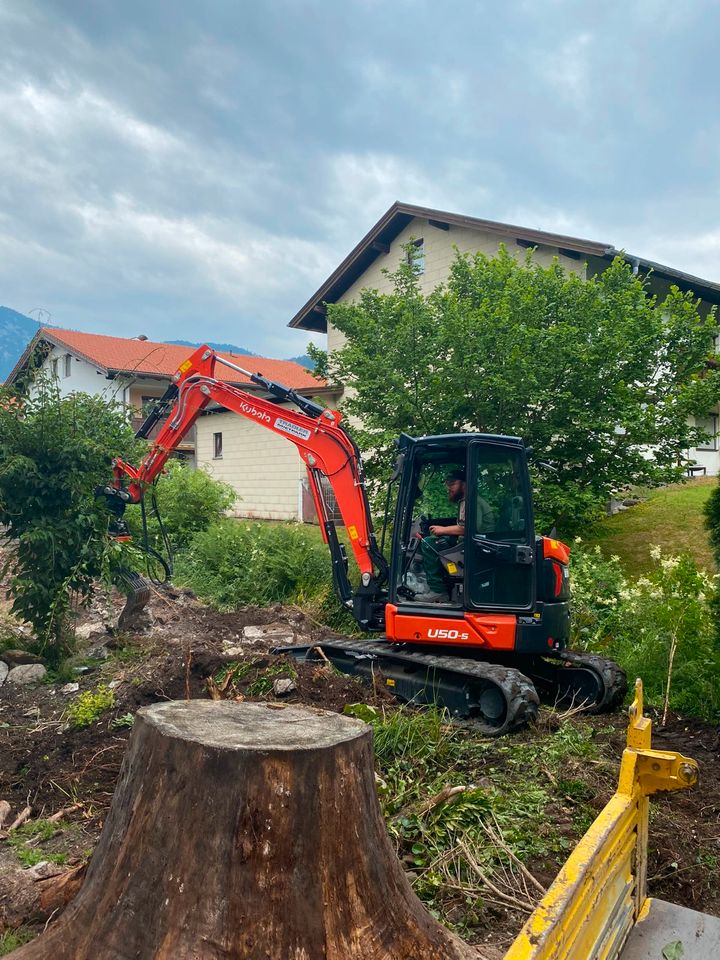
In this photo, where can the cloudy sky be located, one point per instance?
(196, 170)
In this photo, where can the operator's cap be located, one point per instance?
(457, 474)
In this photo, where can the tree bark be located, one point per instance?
(245, 832)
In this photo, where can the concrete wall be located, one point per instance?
(264, 469)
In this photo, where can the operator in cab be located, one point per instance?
(449, 537)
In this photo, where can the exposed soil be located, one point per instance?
(182, 649)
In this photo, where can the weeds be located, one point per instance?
(89, 706)
(469, 817)
(26, 839)
(12, 939)
(229, 680)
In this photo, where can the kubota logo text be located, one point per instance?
(250, 411)
(441, 634)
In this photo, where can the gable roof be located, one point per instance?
(312, 315)
(119, 355)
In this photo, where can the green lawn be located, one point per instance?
(671, 517)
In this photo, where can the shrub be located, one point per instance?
(711, 512)
(238, 562)
(659, 627)
(54, 451)
(188, 501)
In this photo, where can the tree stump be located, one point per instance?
(245, 832)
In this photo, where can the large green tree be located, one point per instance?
(53, 452)
(598, 375)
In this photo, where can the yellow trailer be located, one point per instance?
(597, 908)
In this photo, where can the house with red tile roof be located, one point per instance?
(264, 469)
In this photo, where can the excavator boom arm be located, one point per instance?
(322, 443)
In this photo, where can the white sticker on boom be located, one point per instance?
(292, 428)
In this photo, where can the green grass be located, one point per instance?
(12, 939)
(671, 517)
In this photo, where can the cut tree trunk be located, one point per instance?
(245, 832)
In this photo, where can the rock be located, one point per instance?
(233, 652)
(97, 653)
(283, 686)
(85, 630)
(14, 658)
(275, 633)
(113, 684)
(4, 670)
(26, 673)
(70, 688)
(44, 870)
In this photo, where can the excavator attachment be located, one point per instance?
(137, 590)
(597, 908)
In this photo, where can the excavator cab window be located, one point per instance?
(427, 562)
(491, 565)
(499, 541)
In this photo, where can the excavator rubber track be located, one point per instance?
(571, 679)
(498, 699)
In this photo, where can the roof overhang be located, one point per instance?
(312, 316)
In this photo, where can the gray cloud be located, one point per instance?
(197, 171)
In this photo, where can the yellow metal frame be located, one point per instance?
(599, 894)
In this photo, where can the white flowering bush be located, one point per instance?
(659, 627)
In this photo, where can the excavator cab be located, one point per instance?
(484, 481)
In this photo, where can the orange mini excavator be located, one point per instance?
(493, 639)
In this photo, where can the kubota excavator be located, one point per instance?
(498, 637)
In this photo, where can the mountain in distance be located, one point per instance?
(303, 361)
(224, 347)
(16, 331)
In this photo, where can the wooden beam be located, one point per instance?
(525, 244)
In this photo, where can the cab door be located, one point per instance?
(499, 531)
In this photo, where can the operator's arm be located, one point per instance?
(456, 530)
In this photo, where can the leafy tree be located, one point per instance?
(53, 452)
(598, 375)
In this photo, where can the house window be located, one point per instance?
(67, 365)
(54, 367)
(217, 446)
(416, 256)
(710, 425)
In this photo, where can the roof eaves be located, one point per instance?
(399, 215)
(71, 348)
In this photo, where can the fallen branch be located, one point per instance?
(446, 794)
(64, 812)
(20, 819)
(498, 840)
